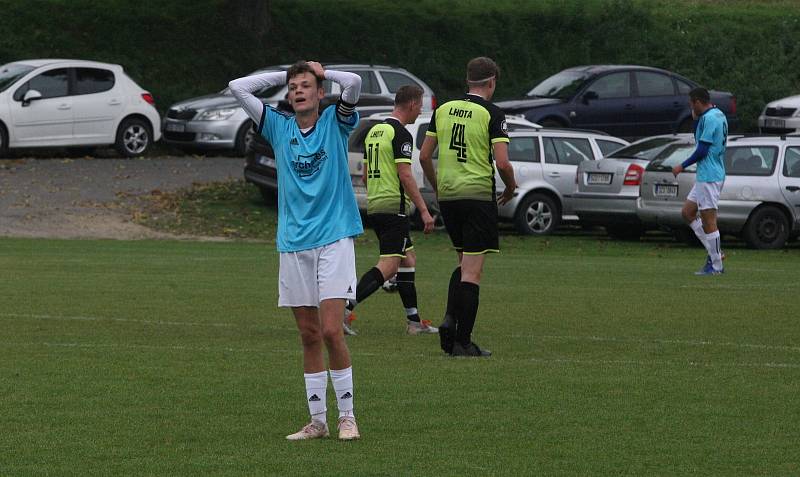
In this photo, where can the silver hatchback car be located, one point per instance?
(545, 162)
(609, 187)
(760, 200)
(216, 121)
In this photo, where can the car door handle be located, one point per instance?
(628, 106)
(64, 106)
(115, 102)
(792, 188)
(554, 174)
(677, 105)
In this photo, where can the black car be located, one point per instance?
(259, 166)
(625, 101)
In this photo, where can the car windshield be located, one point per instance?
(11, 72)
(671, 156)
(267, 92)
(561, 85)
(645, 150)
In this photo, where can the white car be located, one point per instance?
(417, 130)
(63, 103)
(781, 116)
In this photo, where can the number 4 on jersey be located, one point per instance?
(457, 142)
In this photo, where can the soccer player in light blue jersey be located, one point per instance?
(317, 220)
(711, 135)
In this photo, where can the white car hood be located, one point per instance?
(788, 102)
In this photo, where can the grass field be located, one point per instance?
(171, 358)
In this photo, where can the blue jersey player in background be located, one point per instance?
(711, 135)
(317, 220)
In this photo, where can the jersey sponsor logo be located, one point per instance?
(460, 113)
(406, 149)
(504, 127)
(308, 165)
(293, 142)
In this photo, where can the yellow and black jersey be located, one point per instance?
(465, 130)
(386, 144)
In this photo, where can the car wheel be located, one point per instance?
(552, 123)
(3, 142)
(133, 137)
(767, 228)
(243, 138)
(625, 232)
(538, 214)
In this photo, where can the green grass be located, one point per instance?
(171, 358)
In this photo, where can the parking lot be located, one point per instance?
(95, 198)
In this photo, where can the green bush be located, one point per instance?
(181, 49)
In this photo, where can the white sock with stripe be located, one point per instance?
(714, 248)
(342, 380)
(316, 387)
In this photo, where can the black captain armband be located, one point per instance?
(345, 109)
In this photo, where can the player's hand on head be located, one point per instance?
(317, 68)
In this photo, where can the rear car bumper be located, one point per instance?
(201, 134)
(776, 125)
(602, 209)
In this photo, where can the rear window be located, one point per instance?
(670, 156)
(645, 150)
(93, 80)
(791, 163)
(750, 161)
(395, 80)
(607, 147)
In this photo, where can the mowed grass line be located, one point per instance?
(171, 358)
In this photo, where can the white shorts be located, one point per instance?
(705, 194)
(306, 278)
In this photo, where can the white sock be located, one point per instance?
(697, 226)
(316, 385)
(342, 380)
(714, 248)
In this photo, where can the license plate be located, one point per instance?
(175, 127)
(775, 123)
(666, 190)
(598, 178)
(266, 161)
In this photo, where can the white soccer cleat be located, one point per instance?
(421, 328)
(348, 430)
(349, 317)
(312, 430)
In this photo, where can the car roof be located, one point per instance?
(426, 115)
(744, 140)
(37, 63)
(284, 67)
(606, 68)
(566, 132)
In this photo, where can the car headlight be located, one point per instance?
(216, 114)
(796, 113)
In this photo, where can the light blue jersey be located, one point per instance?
(316, 204)
(712, 128)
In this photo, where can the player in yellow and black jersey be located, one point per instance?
(390, 190)
(472, 139)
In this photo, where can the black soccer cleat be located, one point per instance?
(471, 350)
(447, 334)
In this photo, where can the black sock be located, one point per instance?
(408, 293)
(452, 290)
(468, 298)
(369, 284)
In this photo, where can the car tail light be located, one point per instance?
(733, 105)
(633, 176)
(433, 102)
(149, 98)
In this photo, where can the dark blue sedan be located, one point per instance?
(622, 100)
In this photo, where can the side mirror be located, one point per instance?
(590, 95)
(31, 95)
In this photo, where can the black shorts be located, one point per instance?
(472, 225)
(394, 234)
